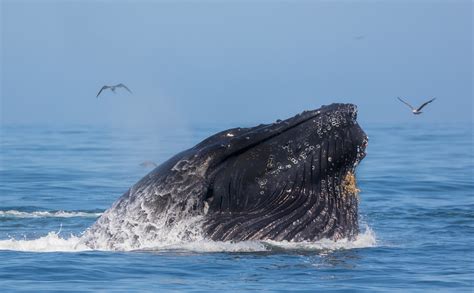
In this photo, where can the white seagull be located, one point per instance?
(148, 164)
(113, 88)
(413, 110)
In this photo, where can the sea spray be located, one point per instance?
(53, 242)
(48, 214)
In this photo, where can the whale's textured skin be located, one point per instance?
(289, 180)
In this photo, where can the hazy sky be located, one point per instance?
(205, 62)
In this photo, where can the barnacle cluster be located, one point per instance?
(349, 184)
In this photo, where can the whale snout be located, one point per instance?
(297, 183)
(334, 128)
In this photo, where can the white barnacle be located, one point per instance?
(181, 165)
(262, 182)
(230, 134)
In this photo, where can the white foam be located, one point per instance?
(363, 240)
(48, 214)
(209, 246)
(49, 243)
(54, 243)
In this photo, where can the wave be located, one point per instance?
(48, 214)
(49, 243)
(363, 240)
(53, 242)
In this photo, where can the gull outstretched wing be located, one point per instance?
(124, 86)
(426, 103)
(411, 107)
(103, 88)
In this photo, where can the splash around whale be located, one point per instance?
(293, 180)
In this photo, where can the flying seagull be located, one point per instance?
(113, 88)
(413, 110)
(148, 164)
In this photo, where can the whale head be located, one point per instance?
(290, 180)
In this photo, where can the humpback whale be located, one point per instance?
(291, 180)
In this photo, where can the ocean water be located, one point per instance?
(416, 214)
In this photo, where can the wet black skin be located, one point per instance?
(279, 181)
(284, 187)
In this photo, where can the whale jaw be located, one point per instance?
(297, 186)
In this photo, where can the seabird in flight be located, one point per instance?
(113, 88)
(148, 164)
(413, 110)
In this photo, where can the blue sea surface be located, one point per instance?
(416, 211)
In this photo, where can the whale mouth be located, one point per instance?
(290, 180)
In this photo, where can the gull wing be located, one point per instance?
(124, 86)
(411, 107)
(103, 88)
(426, 103)
(148, 164)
